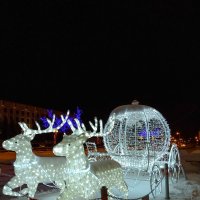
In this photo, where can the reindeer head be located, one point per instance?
(22, 140)
(71, 144)
(15, 143)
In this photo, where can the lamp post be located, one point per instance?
(179, 135)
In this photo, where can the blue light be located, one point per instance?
(58, 121)
(154, 133)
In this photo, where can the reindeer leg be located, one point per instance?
(61, 185)
(66, 195)
(12, 184)
(32, 189)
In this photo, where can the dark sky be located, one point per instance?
(102, 54)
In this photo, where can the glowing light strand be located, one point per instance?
(58, 121)
(86, 181)
(31, 169)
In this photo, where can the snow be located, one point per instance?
(187, 188)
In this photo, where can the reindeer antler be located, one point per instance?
(31, 132)
(82, 130)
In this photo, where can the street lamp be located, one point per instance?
(179, 135)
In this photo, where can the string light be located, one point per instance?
(140, 136)
(31, 169)
(65, 127)
(86, 178)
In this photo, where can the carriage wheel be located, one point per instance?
(155, 180)
(174, 173)
(174, 163)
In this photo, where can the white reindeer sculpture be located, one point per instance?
(31, 169)
(86, 178)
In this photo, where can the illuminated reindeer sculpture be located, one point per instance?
(86, 178)
(31, 169)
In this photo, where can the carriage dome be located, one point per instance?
(140, 135)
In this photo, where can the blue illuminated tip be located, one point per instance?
(154, 133)
(58, 121)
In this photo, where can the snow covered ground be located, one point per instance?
(186, 189)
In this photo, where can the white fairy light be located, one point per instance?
(140, 136)
(86, 178)
(31, 169)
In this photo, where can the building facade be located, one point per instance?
(12, 112)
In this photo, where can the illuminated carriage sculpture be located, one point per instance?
(136, 136)
(140, 142)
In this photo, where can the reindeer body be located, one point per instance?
(87, 178)
(88, 183)
(31, 169)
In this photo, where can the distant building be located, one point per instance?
(12, 112)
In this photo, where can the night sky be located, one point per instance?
(98, 55)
